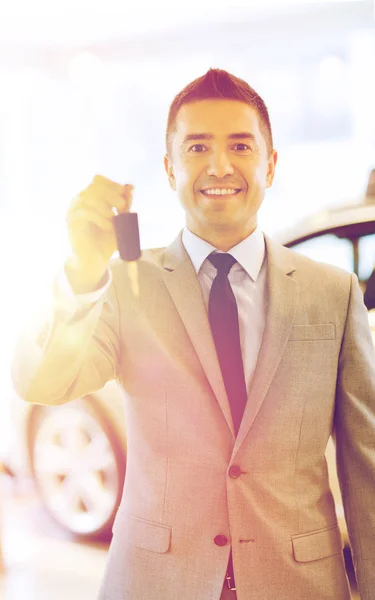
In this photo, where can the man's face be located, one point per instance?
(219, 166)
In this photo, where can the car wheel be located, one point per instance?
(78, 466)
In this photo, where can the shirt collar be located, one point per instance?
(249, 253)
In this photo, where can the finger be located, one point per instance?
(127, 195)
(100, 180)
(82, 216)
(103, 200)
(102, 205)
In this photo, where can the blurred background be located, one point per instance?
(85, 89)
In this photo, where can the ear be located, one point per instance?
(271, 168)
(169, 170)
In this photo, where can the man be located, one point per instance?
(235, 376)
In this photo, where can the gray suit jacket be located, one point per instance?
(315, 375)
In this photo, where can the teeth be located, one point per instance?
(220, 192)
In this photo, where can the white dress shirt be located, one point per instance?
(248, 280)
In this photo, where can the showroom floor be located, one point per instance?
(40, 563)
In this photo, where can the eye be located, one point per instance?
(198, 148)
(241, 147)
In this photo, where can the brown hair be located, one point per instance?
(216, 84)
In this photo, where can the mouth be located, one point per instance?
(219, 192)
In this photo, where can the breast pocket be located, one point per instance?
(317, 331)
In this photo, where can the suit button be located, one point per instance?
(221, 540)
(235, 471)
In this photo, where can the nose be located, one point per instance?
(219, 165)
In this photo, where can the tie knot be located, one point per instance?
(222, 262)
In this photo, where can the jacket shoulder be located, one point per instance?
(319, 268)
(318, 279)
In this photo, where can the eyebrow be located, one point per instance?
(243, 135)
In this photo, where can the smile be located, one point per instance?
(221, 191)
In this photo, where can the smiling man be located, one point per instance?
(238, 361)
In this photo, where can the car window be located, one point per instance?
(366, 256)
(329, 249)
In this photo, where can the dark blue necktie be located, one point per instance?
(223, 317)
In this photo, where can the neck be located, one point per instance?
(223, 239)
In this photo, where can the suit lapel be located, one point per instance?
(282, 299)
(183, 286)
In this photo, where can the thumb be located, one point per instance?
(127, 194)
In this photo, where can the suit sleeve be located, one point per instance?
(61, 356)
(355, 438)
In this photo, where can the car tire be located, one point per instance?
(78, 466)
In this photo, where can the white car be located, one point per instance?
(76, 456)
